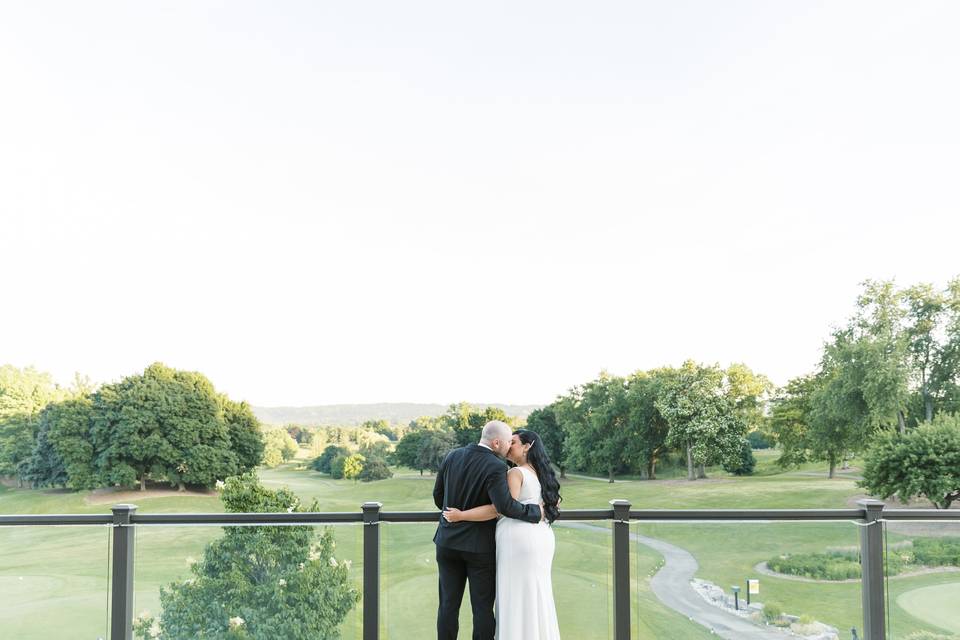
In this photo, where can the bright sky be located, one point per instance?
(316, 203)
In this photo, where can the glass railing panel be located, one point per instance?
(685, 574)
(408, 583)
(583, 578)
(581, 581)
(54, 582)
(923, 579)
(259, 581)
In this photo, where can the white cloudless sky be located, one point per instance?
(315, 203)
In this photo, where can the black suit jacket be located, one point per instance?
(469, 477)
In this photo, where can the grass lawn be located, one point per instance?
(53, 580)
(936, 603)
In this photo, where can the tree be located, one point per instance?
(279, 447)
(922, 462)
(435, 448)
(323, 461)
(750, 393)
(544, 422)
(375, 469)
(790, 420)
(650, 427)
(45, 467)
(166, 425)
(926, 309)
(259, 583)
(408, 450)
(595, 419)
(743, 463)
(69, 433)
(23, 394)
(353, 466)
(337, 467)
(703, 420)
(382, 427)
(246, 439)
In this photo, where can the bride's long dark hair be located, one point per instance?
(540, 461)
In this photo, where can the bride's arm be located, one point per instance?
(477, 514)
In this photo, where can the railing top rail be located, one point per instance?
(340, 517)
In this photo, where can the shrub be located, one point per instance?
(772, 612)
(337, 467)
(743, 462)
(758, 440)
(937, 552)
(375, 469)
(323, 461)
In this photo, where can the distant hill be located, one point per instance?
(356, 414)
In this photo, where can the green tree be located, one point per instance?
(382, 427)
(436, 446)
(544, 422)
(69, 425)
(704, 422)
(407, 453)
(23, 394)
(743, 463)
(922, 462)
(926, 311)
(323, 462)
(650, 428)
(790, 420)
(279, 447)
(375, 468)
(595, 418)
(353, 466)
(273, 582)
(338, 467)
(243, 428)
(163, 424)
(46, 467)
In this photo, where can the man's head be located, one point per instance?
(497, 436)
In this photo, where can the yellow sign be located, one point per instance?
(754, 587)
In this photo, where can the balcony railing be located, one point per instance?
(869, 515)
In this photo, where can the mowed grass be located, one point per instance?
(53, 581)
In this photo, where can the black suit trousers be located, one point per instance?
(456, 568)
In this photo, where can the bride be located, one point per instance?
(525, 609)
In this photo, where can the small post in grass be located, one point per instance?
(736, 597)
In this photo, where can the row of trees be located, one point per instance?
(615, 425)
(162, 425)
(894, 365)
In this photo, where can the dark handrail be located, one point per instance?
(340, 517)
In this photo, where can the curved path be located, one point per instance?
(672, 587)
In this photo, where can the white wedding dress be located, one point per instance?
(525, 608)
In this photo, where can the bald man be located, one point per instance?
(469, 477)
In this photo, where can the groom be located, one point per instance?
(470, 477)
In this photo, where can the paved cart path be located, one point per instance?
(672, 586)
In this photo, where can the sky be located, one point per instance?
(316, 203)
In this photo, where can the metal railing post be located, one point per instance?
(621, 569)
(371, 570)
(121, 586)
(871, 568)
